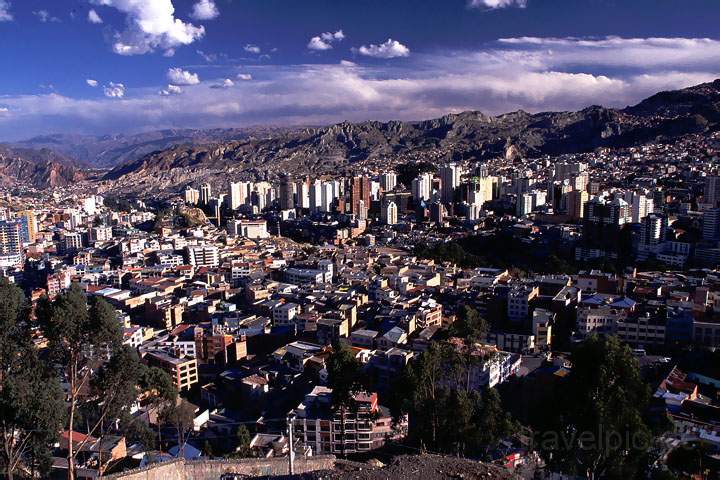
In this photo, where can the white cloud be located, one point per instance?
(4, 110)
(93, 16)
(325, 40)
(497, 3)
(250, 48)
(171, 90)
(114, 90)
(151, 25)
(244, 76)
(178, 76)
(227, 83)
(390, 49)
(45, 17)
(205, 10)
(91, 82)
(5, 15)
(497, 78)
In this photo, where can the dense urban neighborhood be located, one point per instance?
(552, 317)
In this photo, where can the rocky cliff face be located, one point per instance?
(37, 168)
(468, 135)
(107, 151)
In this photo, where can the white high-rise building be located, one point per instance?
(316, 192)
(238, 194)
(192, 196)
(89, 205)
(205, 193)
(388, 181)
(524, 204)
(302, 192)
(389, 213)
(642, 206)
(450, 178)
(328, 196)
(422, 187)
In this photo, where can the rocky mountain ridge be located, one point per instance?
(37, 168)
(468, 135)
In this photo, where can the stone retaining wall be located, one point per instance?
(214, 469)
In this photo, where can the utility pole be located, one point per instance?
(291, 457)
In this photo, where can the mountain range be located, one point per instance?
(170, 159)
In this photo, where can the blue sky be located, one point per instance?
(114, 66)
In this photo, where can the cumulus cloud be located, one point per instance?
(93, 16)
(150, 25)
(250, 48)
(390, 49)
(91, 82)
(45, 17)
(178, 76)
(171, 90)
(325, 40)
(227, 83)
(244, 76)
(205, 10)
(114, 90)
(499, 77)
(497, 3)
(5, 15)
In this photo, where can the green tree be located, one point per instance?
(243, 438)
(179, 415)
(469, 324)
(31, 407)
(605, 435)
(82, 337)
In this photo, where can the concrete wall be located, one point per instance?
(214, 469)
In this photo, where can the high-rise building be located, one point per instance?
(10, 243)
(437, 212)
(575, 203)
(287, 193)
(205, 193)
(327, 197)
(641, 207)
(192, 196)
(712, 190)
(89, 205)
(316, 195)
(711, 225)
(238, 195)
(30, 220)
(422, 187)
(389, 213)
(652, 232)
(524, 204)
(359, 191)
(603, 221)
(302, 193)
(388, 180)
(450, 178)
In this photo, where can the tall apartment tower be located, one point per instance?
(359, 190)
(192, 196)
(389, 213)
(388, 181)
(712, 190)
(450, 178)
(287, 193)
(205, 193)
